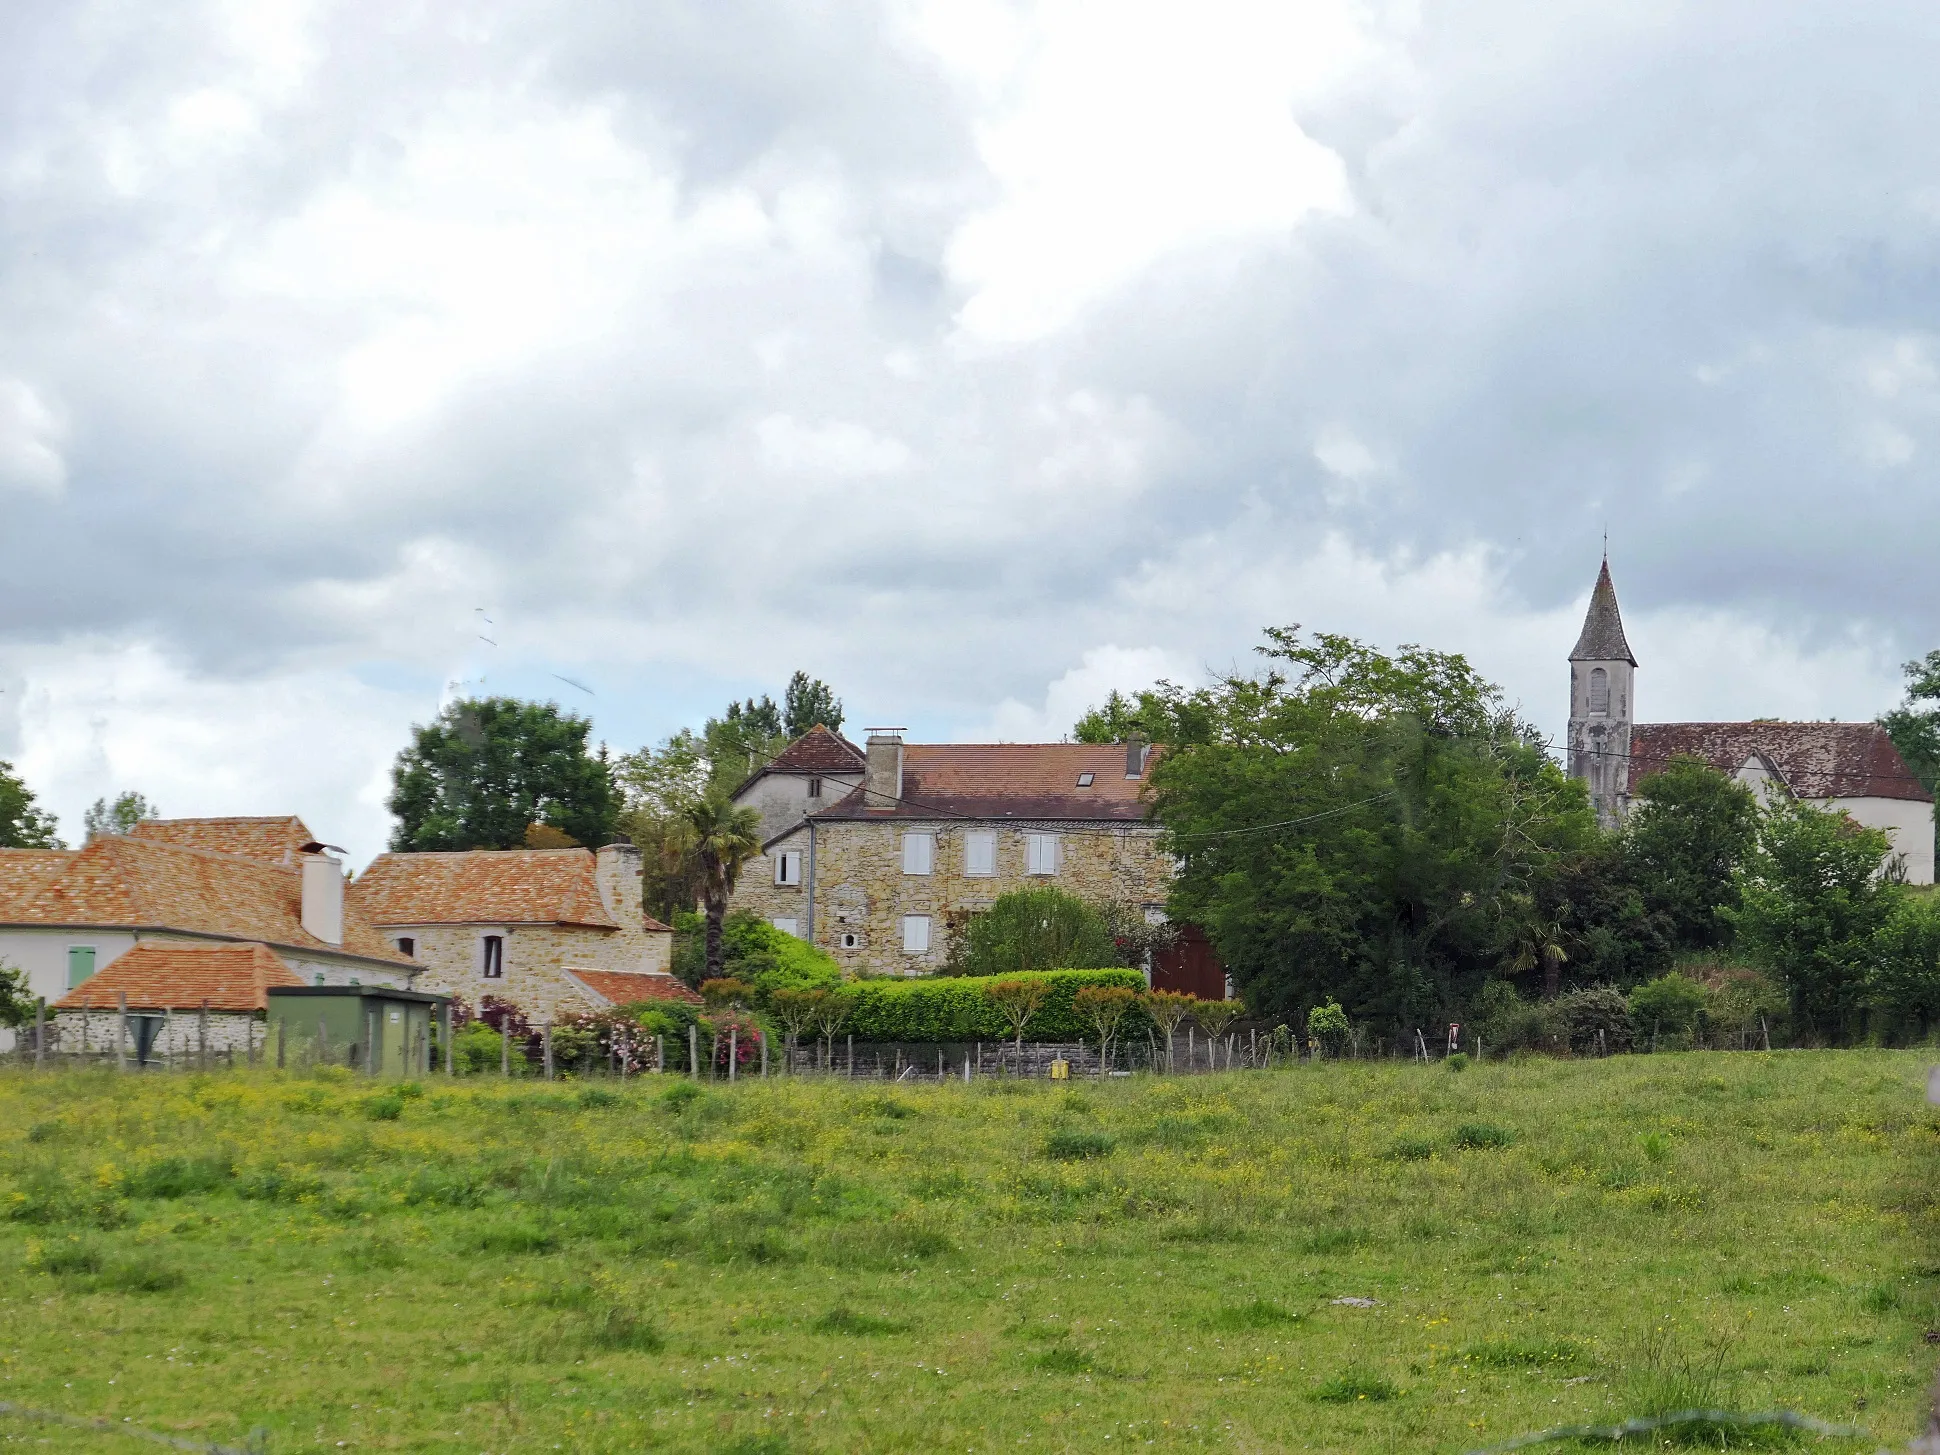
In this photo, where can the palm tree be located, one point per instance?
(717, 837)
(1538, 939)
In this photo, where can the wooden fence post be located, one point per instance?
(40, 1031)
(451, 1061)
(121, 1030)
(323, 1042)
(505, 1045)
(733, 1048)
(546, 1040)
(370, 1043)
(279, 1042)
(852, 1055)
(202, 1036)
(764, 1054)
(694, 1051)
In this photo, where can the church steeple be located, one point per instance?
(1602, 639)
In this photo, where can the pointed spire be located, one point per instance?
(1603, 639)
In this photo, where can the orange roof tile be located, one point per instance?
(482, 886)
(25, 872)
(1008, 780)
(273, 840)
(142, 883)
(625, 987)
(157, 976)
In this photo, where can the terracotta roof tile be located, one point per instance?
(1816, 759)
(818, 751)
(146, 884)
(273, 840)
(1008, 780)
(25, 872)
(482, 886)
(622, 987)
(157, 976)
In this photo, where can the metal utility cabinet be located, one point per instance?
(344, 1017)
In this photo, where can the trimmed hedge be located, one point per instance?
(955, 1008)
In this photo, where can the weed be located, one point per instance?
(43, 1131)
(1655, 1145)
(595, 1098)
(1457, 1061)
(386, 1108)
(895, 1109)
(179, 1176)
(508, 1235)
(681, 1095)
(1068, 1144)
(1352, 1385)
(1526, 1354)
(1062, 1359)
(845, 1320)
(1259, 1314)
(66, 1257)
(138, 1275)
(1411, 1149)
(1336, 1240)
(1478, 1136)
(612, 1325)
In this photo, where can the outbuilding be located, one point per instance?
(374, 1028)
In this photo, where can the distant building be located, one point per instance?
(1853, 767)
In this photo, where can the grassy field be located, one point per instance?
(800, 1266)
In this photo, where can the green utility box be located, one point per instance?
(341, 1023)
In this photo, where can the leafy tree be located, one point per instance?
(1215, 1015)
(1689, 832)
(1168, 1008)
(809, 702)
(23, 824)
(1673, 1003)
(1102, 1007)
(797, 1010)
(1328, 1025)
(717, 837)
(119, 817)
(1017, 1001)
(1113, 722)
(832, 1012)
(1914, 725)
(490, 767)
(1362, 824)
(1813, 906)
(1537, 937)
(16, 1001)
(1903, 979)
(739, 741)
(726, 992)
(1037, 929)
(656, 786)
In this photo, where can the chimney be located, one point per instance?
(882, 780)
(323, 894)
(1135, 756)
(616, 871)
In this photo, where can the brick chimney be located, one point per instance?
(882, 780)
(323, 894)
(1135, 756)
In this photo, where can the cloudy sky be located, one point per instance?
(975, 356)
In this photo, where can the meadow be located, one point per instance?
(1345, 1256)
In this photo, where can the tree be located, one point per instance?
(1813, 906)
(657, 786)
(1113, 722)
(1038, 929)
(1915, 729)
(488, 768)
(809, 702)
(1017, 1000)
(832, 1012)
(1359, 824)
(1215, 1015)
(1903, 978)
(1102, 1007)
(1536, 937)
(16, 1000)
(1689, 831)
(740, 741)
(1673, 1003)
(119, 817)
(23, 824)
(1168, 1008)
(725, 993)
(1327, 1025)
(717, 837)
(797, 1011)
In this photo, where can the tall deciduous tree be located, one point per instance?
(488, 768)
(718, 838)
(809, 702)
(740, 740)
(118, 817)
(657, 786)
(1814, 904)
(1690, 830)
(23, 823)
(1914, 725)
(1038, 929)
(1358, 824)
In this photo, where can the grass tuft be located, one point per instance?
(1481, 1136)
(1071, 1144)
(1354, 1385)
(1259, 1314)
(845, 1320)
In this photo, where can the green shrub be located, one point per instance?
(1671, 1004)
(955, 1008)
(386, 1108)
(1069, 1144)
(1411, 1149)
(1035, 929)
(1582, 1013)
(1457, 1062)
(179, 1176)
(1507, 1022)
(1328, 1025)
(476, 1048)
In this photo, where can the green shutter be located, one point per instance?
(80, 964)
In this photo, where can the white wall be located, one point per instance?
(1907, 822)
(782, 798)
(42, 953)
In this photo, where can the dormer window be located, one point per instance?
(1085, 780)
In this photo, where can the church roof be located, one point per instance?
(1602, 639)
(1815, 760)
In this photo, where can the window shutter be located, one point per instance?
(980, 853)
(917, 853)
(916, 934)
(80, 964)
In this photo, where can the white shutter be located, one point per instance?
(980, 854)
(787, 927)
(1041, 853)
(916, 934)
(788, 867)
(918, 852)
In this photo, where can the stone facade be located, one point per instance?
(535, 959)
(861, 893)
(75, 1032)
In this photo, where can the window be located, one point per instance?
(787, 927)
(1599, 692)
(980, 853)
(492, 956)
(1085, 780)
(815, 788)
(80, 964)
(407, 946)
(1040, 853)
(916, 934)
(788, 866)
(919, 850)
(851, 940)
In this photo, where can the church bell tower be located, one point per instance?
(1602, 703)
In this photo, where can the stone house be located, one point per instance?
(68, 914)
(1849, 766)
(178, 994)
(520, 924)
(926, 836)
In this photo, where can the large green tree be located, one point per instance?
(657, 786)
(740, 741)
(1914, 725)
(1041, 928)
(1354, 824)
(23, 823)
(119, 816)
(1690, 830)
(488, 768)
(1814, 905)
(809, 702)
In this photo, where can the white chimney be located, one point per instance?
(323, 895)
(882, 779)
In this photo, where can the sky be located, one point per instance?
(977, 357)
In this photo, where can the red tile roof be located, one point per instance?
(25, 872)
(1007, 780)
(621, 987)
(157, 976)
(819, 751)
(141, 883)
(1815, 759)
(483, 886)
(272, 840)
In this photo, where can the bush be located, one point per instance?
(1327, 1024)
(1507, 1022)
(1036, 929)
(1671, 1004)
(957, 1008)
(1481, 1136)
(477, 1048)
(752, 951)
(1582, 1013)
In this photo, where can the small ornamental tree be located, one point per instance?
(725, 991)
(1327, 1026)
(797, 1011)
(1102, 1007)
(1017, 1001)
(1168, 1008)
(1671, 1003)
(831, 1014)
(1215, 1015)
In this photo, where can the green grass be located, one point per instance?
(800, 1266)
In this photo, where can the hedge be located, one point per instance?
(955, 1008)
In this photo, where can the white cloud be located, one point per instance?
(1100, 672)
(30, 438)
(832, 448)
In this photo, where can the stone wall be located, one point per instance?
(72, 1032)
(536, 957)
(860, 889)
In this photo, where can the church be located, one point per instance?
(1851, 766)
